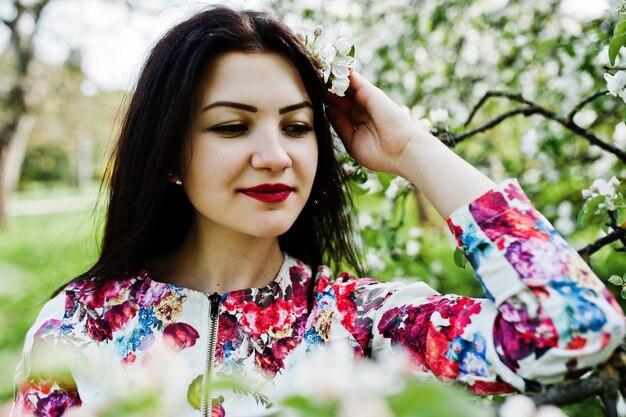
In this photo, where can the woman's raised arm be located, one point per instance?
(379, 135)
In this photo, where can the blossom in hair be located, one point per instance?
(335, 59)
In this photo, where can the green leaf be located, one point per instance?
(352, 51)
(589, 209)
(459, 258)
(619, 39)
(624, 293)
(616, 280)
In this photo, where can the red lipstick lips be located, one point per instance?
(269, 193)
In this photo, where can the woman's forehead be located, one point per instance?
(260, 77)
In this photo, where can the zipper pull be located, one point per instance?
(215, 300)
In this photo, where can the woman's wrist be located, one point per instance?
(446, 179)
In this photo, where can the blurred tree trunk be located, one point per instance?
(17, 100)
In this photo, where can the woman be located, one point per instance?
(227, 202)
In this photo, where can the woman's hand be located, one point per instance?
(381, 136)
(374, 129)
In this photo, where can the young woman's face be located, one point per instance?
(253, 153)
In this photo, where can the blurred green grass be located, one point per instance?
(37, 255)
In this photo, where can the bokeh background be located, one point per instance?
(68, 66)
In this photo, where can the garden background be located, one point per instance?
(66, 67)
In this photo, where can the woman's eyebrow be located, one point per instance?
(232, 104)
(295, 107)
(252, 109)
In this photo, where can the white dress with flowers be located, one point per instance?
(546, 317)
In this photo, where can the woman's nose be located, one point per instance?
(270, 153)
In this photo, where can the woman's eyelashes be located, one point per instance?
(298, 130)
(295, 130)
(231, 130)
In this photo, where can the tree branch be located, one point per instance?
(585, 101)
(495, 93)
(600, 243)
(573, 392)
(530, 109)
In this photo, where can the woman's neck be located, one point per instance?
(220, 261)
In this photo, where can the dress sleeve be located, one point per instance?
(546, 317)
(44, 385)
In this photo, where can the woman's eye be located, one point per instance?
(230, 130)
(298, 130)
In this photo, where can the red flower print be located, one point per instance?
(115, 289)
(491, 388)
(576, 343)
(89, 296)
(117, 316)
(234, 300)
(436, 347)
(250, 319)
(179, 336)
(148, 292)
(322, 283)
(457, 231)
(228, 332)
(98, 329)
(218, 411)
(282, 347)
(488, 206)
(512, 225)
(267, 362)
(56, 403)
(278, 315)
(129, 359)
(515, 192)
(299, 285)
(517, 336)
(411, 327)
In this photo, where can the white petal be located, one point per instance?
(340, 85)
(343, 46)
(341, 71)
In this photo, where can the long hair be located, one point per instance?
(147, 216)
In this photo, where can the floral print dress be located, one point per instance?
(545, 317)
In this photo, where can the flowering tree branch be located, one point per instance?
(617, 234)
(621, 236)
(606, 382)
(529, 109)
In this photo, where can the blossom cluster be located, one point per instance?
(606, 189)
(335, 59)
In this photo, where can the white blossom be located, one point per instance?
(340, 85)
(517, 406)
(343, 46)
(586, 117)
(372, 184)
(439, 116)
(608, 189)
(619, 135)
(412, 247)
(374, 261)
(530, 142)
(616, 83)
(364, 220)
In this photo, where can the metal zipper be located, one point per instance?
(207, 380)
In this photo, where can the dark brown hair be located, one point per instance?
(147, 216)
